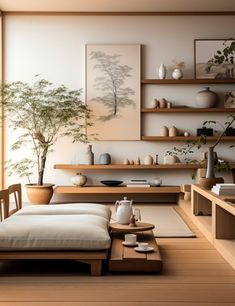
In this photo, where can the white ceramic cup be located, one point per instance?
(130, 238)
(143, 246)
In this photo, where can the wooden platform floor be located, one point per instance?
(194, 274)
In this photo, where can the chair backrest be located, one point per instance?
(4, 204)
(15, 190)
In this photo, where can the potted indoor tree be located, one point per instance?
(42, 113)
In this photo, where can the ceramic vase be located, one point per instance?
(162, 72)
(79, 180)
(210, 180)
(206, 98)
(177, 74)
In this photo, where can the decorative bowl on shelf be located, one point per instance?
(111, 183)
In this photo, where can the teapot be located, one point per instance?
(124, 211)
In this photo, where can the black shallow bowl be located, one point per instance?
(111, 183)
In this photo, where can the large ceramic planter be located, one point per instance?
(39, 194)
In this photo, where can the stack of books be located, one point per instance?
(138, 183)
(224, 189)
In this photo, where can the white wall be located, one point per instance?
(55, 48)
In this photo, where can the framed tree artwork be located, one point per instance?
(113, 91)
(214, 58)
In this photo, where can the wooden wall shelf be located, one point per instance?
(187, 81)
(183, 138)
(179, 166)
(117, 190)
(127, 167)
(187, 110)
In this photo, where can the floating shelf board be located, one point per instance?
(183, 138)
(127, 167)
(116, 190)
(188, 110)
(188, 81)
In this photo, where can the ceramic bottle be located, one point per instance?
(89, 156)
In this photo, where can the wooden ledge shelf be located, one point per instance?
(187, 81)
(127, 167)
(117, 190)
(187, 110)
(183, 138)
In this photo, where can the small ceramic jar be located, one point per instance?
(105, 159)
(162, 103)
(148, 160)
(126, 161)
(172, 131)
(154, 103)
(157, 181)
(164, 131)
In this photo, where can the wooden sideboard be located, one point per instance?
(215, 216)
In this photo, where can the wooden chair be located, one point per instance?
(15, 190)
(4, 204)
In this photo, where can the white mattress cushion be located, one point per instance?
(67, 209)
(54, 232)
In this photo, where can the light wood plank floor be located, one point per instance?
(194, 274)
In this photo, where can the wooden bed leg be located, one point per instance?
(96, 267)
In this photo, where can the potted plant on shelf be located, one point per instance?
(209, 180)
(212, 162)
(42, 113)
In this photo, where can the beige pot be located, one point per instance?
(38, 194)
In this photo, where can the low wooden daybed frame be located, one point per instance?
(93, 258)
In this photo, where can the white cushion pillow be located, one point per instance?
(67, 209)
(54, 232)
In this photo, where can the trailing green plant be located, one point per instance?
(42, 113)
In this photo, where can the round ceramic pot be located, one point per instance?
(206, 98)
(148, 160)
(177, 74)
(105, 159)
(39, 194)
(79, 180)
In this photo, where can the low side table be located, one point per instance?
(126, 259)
